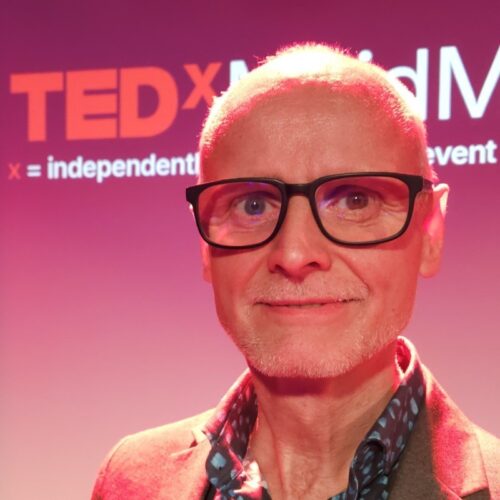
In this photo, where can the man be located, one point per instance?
(318, 211)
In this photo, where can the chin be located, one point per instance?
(322, 358)
(280, 367)
(295, 361)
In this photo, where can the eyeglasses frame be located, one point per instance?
(415, 183)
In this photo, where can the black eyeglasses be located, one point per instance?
(354, 209)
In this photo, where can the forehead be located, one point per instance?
(310, 131)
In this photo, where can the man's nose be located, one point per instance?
(299, 248)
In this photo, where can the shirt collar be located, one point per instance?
(392, 429)
(228, 432)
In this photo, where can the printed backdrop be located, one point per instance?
(106, 325)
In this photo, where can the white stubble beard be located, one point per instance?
(287, 357)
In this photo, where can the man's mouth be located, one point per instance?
(304, 304)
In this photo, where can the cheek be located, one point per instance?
(231, 275)
(391, 276)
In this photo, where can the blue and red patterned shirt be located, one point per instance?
(234, 474)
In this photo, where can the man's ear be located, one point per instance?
(434, 232)
(205, 260)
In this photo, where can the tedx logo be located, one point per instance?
(105, 103)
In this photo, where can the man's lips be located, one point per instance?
(305, 310)
(304, 303)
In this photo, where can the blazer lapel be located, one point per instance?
(186, 477)
(443, 459)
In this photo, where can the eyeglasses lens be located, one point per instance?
(362, 209)
(239, 213)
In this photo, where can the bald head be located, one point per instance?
(342, 76)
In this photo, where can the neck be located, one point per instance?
(316, 425)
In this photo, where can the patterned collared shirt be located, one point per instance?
(234, 474)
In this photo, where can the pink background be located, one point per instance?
(106, 326)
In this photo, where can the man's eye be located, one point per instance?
(347, 198)
(254, 206)
(351, 204)
(354, 200)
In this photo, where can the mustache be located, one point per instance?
(319, 289)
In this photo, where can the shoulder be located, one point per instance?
(489, 443)
(462, 449)
(490, 450)
(165, 439)
(445, 414)
(139, 459)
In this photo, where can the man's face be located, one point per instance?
(302, 305)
